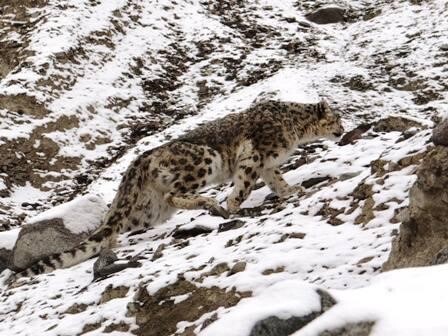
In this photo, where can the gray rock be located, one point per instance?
(57, 230)
(5, 259)
(106, 258)
(240, 266)
(327, 15)
(275, 326)
(107, 264)
(7, 241)
(424, 231)
(351, 329)
(440, 134)
(231, 225)
(42, 239)
(185, 233)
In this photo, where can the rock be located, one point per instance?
(7, 241)
(424, 231)
(274, 326)
(351, 329)
(65, 226)
(395, 124)
(359, 83)
(315, 180)
(105, 258)
(231, 225)
(444, 47)
(440, 134)
(327, 15)
(240, 266)
(348, 176)
(107, 264)
(354, 134)
(76, 308)
(158, 252)
(441, 257)
(218, 269)
(362, 191)
(5, 259)
(184, 233)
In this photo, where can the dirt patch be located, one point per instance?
(23, 104)
(395, 124)
(16, 18)
(159, 314)
(111, 293)
(30, 159)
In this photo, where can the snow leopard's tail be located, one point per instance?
(102, 238)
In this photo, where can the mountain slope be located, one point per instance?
(97, 82)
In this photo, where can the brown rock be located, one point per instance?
(354, 134)
(395, 124)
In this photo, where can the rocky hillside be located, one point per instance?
(86, 85)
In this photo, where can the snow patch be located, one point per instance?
(8, 238)
(79, 215)
(284, 300)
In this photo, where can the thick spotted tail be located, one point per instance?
(103, 237)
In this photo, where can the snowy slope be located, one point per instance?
(118, 77)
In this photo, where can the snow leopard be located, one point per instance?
(241, 147)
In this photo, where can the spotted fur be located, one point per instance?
(241, 147)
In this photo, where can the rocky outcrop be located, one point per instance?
(57, 230)
(424, 231)
(440, 133)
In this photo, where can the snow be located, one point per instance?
(8, 238)
(28, 193)
(283, 299)
(344, 259)
(83, 214)
(402, 302)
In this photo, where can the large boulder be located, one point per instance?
(424, 231)
(56, 230)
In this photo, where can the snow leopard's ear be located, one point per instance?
(322, 109)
